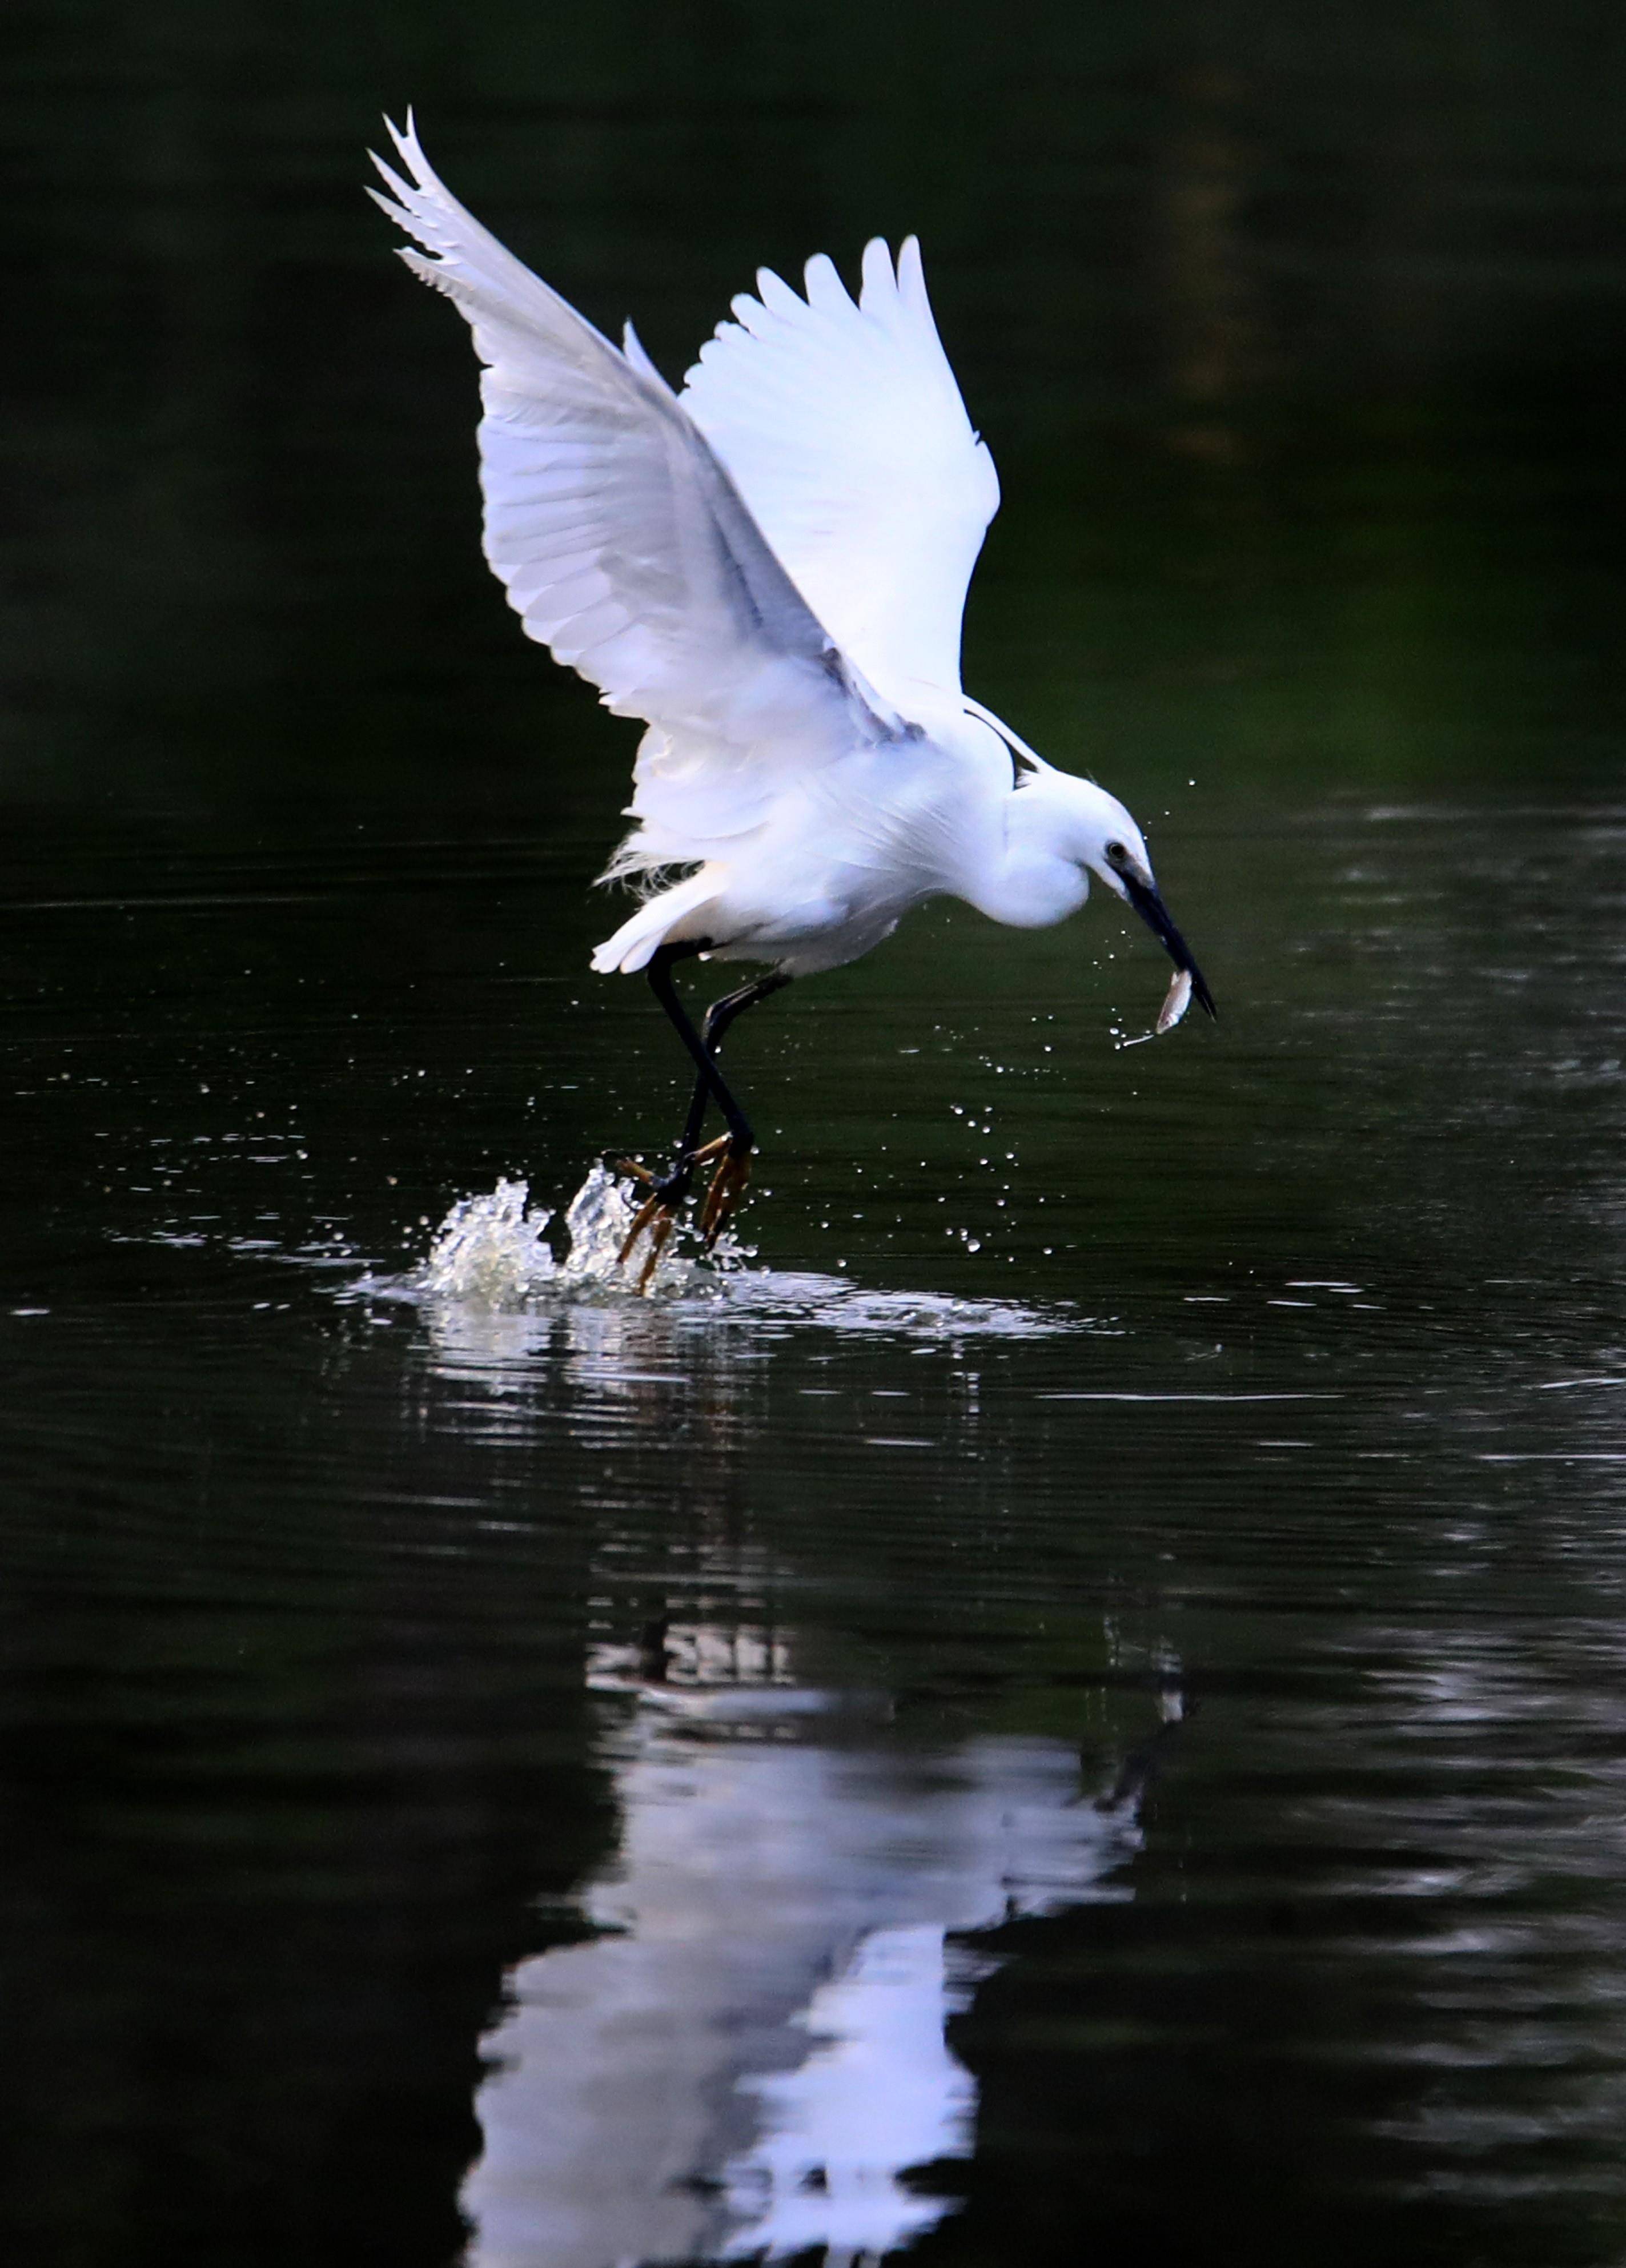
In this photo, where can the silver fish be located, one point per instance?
(1176, 1002)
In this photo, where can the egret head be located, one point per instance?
(1107, 840)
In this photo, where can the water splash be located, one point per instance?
(494, 1251)
(597, 1222)
(492, 1268)
(503, 1278)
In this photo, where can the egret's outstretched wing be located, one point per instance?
(844, 432)
(623, 544)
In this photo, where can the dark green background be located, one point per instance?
(1296, 331)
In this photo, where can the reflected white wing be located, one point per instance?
(622, 541)
(844, 432)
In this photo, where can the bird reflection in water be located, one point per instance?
(751, 2056)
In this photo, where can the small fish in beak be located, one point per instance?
(1141, 891)
(1176, 1002)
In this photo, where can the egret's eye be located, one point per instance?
(1116, 853)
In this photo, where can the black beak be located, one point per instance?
(1142, 895)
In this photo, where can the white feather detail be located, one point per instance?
(843, 430)
(624, 546)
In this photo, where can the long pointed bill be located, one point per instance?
(1142, 895)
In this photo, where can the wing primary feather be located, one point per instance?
(912, 280)
(842, 427)
(776, 295)
(624, 545)
(826, 292)
(879, 297)
(495, 288)
(632, 348)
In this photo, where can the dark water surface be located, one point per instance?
(1181, 1637)
(1074, 1706)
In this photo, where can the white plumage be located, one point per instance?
(843, 429)
(770, 570)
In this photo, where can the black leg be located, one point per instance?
(719, 1016)
(711, 1079)
(657, 1216)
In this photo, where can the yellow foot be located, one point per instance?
(656, 1217)
(727, 1188)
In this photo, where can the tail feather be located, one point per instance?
(633, 944)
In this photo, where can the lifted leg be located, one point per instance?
(657, 1216)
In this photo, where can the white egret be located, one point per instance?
(770, 570)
